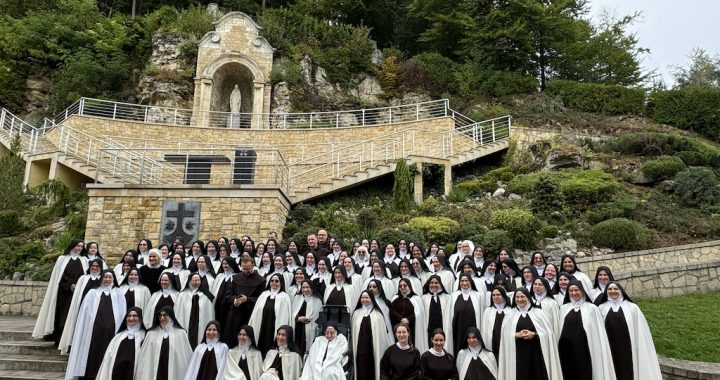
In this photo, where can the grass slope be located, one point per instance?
(684, 327)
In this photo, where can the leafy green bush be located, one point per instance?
(10, 223)
(12, 167)
(302, 214)
(458, 195)
(663, 167)
(473, 80)
(494, 240)
(580, 188)
(690, 108)
(367, 218)
(17, 255)
(428, 72)
(549, 231)
(488, 182)
(620, 234)
(521, 225)
(622, 207)
(592, 97)
(697, 187)
(393, 235)
(439, 229)
(546, 197)
(692, 151)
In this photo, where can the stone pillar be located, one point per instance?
(258, 121)
(418, 192)
(201, 102)
(448, 178)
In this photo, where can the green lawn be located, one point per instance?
(685, 327)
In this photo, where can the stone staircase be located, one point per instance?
(22, 357)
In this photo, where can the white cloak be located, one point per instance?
(380, 343)
(206, 311)
(66, 339)
(443, 299)
(179, 354)
(331, 368)
(233, 371)
(644, 357)
(464, 357)
(312, 311)
(45, 323)
(221, 350)
(141, 293)
(283, 312)
(291, 365)
(548, 345)
(149, 313)
(552, 313)
(387, 284)
(183, 275)
(108, 362)
(488, 323)
(77, 363)
(449, 312)
(419, 336)
(594, 326)
(351, 297)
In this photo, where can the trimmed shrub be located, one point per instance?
(697, 187)
(440, 229)
(620, 234)
(580, 188)
(472, 80)
(521, 225)
(663, 167)
(622, 207)
(494, 240)
(593, 97)
(393, 235)
(549, 231)
(691, 108)
(10, 223)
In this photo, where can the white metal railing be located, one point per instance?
(185, 117)
(236, 166)
(11, 125)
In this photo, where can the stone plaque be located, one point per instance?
(180, 220)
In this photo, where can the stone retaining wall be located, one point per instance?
(676, 369)
(670, 281)
(652, 258)
(21, 297)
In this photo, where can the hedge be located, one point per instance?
(593, 97)
(696, 109)
(663, 167)
(620, 234)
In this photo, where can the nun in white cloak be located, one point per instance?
(165, 326)
(283, 357)
(244, 361)
(211, 349)
(195, 294)
(118, 364)
(327, 356)
(87, 352)
(575, 352)
(84, 284)
(620, 313)
(527, 336)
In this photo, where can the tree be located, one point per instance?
(402, 188)
(702, 71)
(13, 168)
(604, 53)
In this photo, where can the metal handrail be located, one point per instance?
(324, 119)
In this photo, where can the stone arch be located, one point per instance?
(227, 71)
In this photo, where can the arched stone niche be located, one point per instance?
(235, 53)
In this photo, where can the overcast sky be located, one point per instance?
(669, 28)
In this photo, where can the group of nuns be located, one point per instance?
(233, 309)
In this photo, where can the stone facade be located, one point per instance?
(652, 259)
(234, 53)
(670, 281)
(120, 215)
(21, 297)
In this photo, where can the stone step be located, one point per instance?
(31, 363)
(30, 375)
(35, 347)
(16, 335)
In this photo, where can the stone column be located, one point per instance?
(201, 102)
(258, 121)
(448, 178)
(418, 188)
